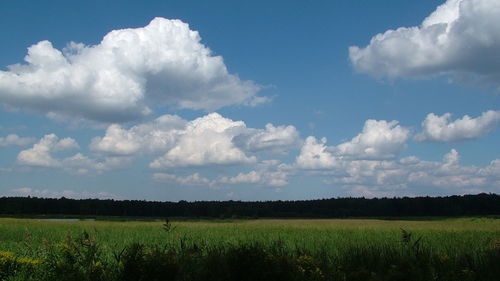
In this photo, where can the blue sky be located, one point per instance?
(218, 100)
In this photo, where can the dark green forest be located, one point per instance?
(466, 205)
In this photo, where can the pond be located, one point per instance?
(66, 219)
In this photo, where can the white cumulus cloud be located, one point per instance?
(314, 155)
(211, 139)
(250, 177)
(278, 139)
(267, 175)
(206, 140)
(369, 164)
(459, 37)
(41, 153)
(440, 129)
(15, 140)
(378, 140)
(122, 77)
(412, 174)
(158, 135)
(190, 180)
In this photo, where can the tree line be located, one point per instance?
(465, 205)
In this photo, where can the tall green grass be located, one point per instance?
(444, 237)
(201, 250)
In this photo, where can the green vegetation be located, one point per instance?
(448, 249)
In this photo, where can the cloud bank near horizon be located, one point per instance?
(186, 153)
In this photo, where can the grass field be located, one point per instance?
(465, 244)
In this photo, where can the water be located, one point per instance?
(67, 219)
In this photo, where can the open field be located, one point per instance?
(465, 243)
(444, 236)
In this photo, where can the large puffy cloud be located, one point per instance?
(15, 140)
(378, 140)
(439, 128)
(117, 80)
(211, 139)
(460, 36)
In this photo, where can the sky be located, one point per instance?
(249, 100)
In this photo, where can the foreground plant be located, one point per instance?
(12, 265)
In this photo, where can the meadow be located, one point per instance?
(279, 249)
